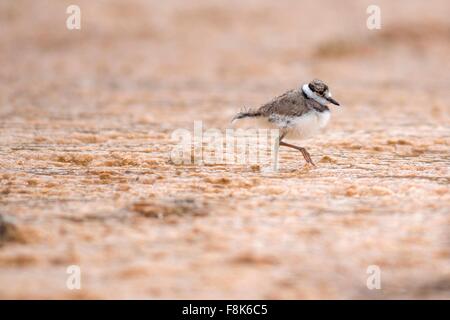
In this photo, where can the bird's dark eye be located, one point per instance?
(320, 91)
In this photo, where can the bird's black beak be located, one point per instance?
(333, 101)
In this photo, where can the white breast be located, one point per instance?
(309, 124)
(324, 118)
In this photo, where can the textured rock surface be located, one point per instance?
(85, 134)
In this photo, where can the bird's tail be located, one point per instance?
(246, 114)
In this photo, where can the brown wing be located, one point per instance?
(291, 103)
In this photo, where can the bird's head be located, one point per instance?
(319, 91)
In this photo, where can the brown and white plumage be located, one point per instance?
(297, 113)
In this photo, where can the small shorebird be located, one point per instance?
(298, 113)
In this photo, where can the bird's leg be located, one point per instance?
(275, 150)
(302, 150)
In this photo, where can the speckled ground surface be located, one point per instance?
(86, 119)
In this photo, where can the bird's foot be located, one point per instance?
(307, 157)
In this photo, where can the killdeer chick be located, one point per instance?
(298, 113)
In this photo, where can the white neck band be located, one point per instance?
(313, 95)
